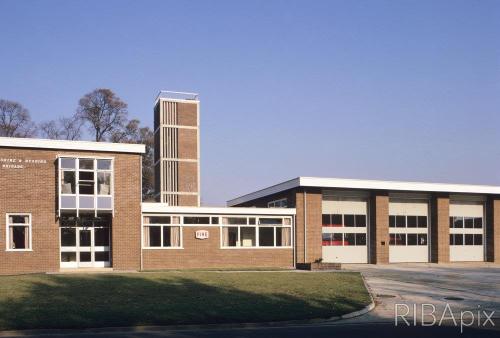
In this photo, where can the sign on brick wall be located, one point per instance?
(19, 163)
(201, 234)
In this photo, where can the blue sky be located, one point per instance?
(403, 90)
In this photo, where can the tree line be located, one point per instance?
(101, 112)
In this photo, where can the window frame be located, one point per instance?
(7, 232)
(162, 226)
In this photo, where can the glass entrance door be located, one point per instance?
(85, 247)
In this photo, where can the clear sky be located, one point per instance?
(402, 90)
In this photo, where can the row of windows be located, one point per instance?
(466, 239)
(347, 220)
(282, 203)
(208, 220)
(86, 176)
(466, 222)
(407, 221)
(343, 239)
(407, 239)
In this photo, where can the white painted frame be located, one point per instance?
(7, 232)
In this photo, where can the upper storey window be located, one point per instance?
(85, 183)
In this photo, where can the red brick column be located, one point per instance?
(440, 229)
(493, 230)
(308, 207)
(379, 228)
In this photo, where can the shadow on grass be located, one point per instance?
(86, 301)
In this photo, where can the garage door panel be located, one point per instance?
(342, 254)
(409, 254)
(466, 232)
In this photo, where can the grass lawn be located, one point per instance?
(163, 298)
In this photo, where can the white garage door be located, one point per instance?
(408, 231)
(466, 232)
(344, 231)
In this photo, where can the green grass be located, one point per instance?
(165, 298)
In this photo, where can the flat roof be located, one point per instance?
(322, 182)
(36, 143)
(152, 207)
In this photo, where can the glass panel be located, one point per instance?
(400, 222)
(337, 220)
(86, 202)
(361, 221)
(270, 221)
(68, 236)
(67, 257)
(422, 239)
(392, 221)
(232, 236)
(68, 163)
(196, 220)
(86, 175)
(85, 237)
(104, 183)
(215, 220)
(458, 222)
(247, 236)
(236, 220)
(68, 182)
(68, 202)
(349, 239)
(412, 239)
(411, 221)
(266, 236)
(251, 221)
(451, 222)
(104, 164)
(348, 220)
(101, 237)
(157, 220)
(19, 238)
(399, 239)
(86, 163)
(469, 239)
(86, 188)
(478, 222)
(452, 239)
(18, 219)
(85, 257)
(469, 223)
(327, 239)
(392, 239)
(104, 202)
(360, 239)
(279, 238)
(422, 221)
(167, 237)
(459, 239)
(337, 239)
(102, 256)
(478, 239)
(176, 220)
(154, 236)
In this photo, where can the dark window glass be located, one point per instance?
(196, 220)
(232, 234)
(68, 182)
(19, 237)
(400, 221)
(159, 220)
(237, 220)
(85, 257)
(478, 239)
(422, 239)
(412, 239)
(452, 242)
(458, 239)
(469, 222)
(360, 239)
(215, 220)
(400, 239)
(251, 221)
(270, 221)
(86, 163)
(348, 220)
(101, 237)
(392, 239)
(337, 220)
(422, 221)
(458, 222)
(326, 239)
(266, 236)
(86, 188)
(68, 236)
(411, 221)
(67, 257)
(478, 222)
(337, 239)
(326, 220)
(102, 256)
(279, 238)
(349, 239)
(469, 239)
(452, 220)
(392, 221)
(86, 175)
(360, 220)
(155, 236)
(167, 237)
(84, 237)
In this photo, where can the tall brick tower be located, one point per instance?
(177, 148)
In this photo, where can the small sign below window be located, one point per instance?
(201, 234)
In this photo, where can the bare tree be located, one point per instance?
(66, 128)
(105, 113)
(134, 133)
(15, 120)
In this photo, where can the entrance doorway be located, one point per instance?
(85, 247)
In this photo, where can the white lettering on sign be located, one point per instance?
(201, 234)
(19, 163)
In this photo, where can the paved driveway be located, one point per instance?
(465, 287)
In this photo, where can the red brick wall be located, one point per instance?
(313, 201)
(440, 229)
(34, 190)
(379, 228)
(493, 230)
(208, 254)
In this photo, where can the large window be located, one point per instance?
(344, 239)
(162, 232)
(408, 221)
(466, 239)
(242, 232)
(460, 222)
(18, 232)
(344, 220)
(281, 203)
(407, 239)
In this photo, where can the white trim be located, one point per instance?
(14, 142)
(152, 207)
(367, 185)
(7, 232)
